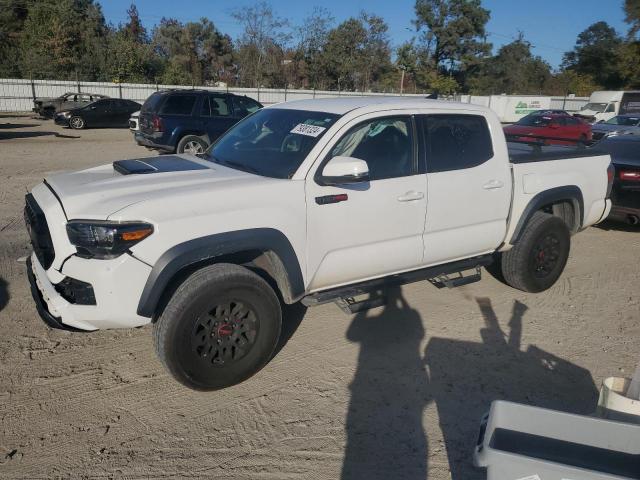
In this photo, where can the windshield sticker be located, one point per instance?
(308, 130)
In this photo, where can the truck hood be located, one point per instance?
(98, 192)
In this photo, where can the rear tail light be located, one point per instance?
(630, 176)
(157, 124)
(610, 174)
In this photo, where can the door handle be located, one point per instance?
(493, 184)
(411, 196)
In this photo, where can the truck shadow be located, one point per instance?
(467, 376)
(4, 293)
(391, 389)
(7, 135)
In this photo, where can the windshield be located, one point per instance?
(626, 121)
(596, 107)
(271, 142)
(534, 121)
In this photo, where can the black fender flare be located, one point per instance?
(207, 248)
(570, 193)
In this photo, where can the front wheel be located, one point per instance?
(219, 328)
(538, 258)
(77, 123)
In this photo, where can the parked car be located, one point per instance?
(625, 157)
(628, 124)
(108, 112)
(134, 122)
(47, 107)
(554, 127)
(189, 120)
(310, 201)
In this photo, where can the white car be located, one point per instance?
(134, 122)
(308, 201)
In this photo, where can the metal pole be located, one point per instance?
(119, 89)
(285, 92)
(77, 81)
(402, 82)
(33, 90)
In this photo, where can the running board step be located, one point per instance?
(350, 305)
(442, 281)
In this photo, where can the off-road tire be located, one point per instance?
(538, 258)
(180, 332)
(190, 143)
(77, 123)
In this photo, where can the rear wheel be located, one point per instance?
(77, 123)
(220, 327)
(538, 258)
(191, 144)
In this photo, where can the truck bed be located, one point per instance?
(527, 152)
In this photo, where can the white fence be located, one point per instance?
(16, 95)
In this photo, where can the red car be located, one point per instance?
(553, 126)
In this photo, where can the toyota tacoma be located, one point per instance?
(311, 201)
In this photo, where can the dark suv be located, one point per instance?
(189, 120)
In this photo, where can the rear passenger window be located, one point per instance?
(454, 142)
(215, 106)
(179, 105)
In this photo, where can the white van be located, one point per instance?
(606, 104)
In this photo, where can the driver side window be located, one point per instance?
(386, 144)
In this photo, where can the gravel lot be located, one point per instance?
(394, 393)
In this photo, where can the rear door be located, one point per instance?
(216, 115)
(469, 186)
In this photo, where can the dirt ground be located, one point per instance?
(393, 393)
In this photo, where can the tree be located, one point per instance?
(452, 31)
(193, 53)
(596, 54)
(60, 38)
(514, 70)
(357, 54)
(632, 16)
(313, 35)
(261, 45)
(12, 18)
(131, 56)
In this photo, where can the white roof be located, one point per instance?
(342, 105)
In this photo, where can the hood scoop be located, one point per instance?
(161, 164)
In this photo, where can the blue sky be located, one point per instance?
(550, 25)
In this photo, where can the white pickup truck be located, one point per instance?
(313, 201)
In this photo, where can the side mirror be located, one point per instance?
(343, 170)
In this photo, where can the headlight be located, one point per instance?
(96, 239)
(66, 114)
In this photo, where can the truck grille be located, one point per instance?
(38, 232)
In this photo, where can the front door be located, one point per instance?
(469, 186)
(369, 229)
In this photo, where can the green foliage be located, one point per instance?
(193, 53)
(452, 31)
(632, 16)
(597, 54)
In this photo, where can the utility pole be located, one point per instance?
(402, 69)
